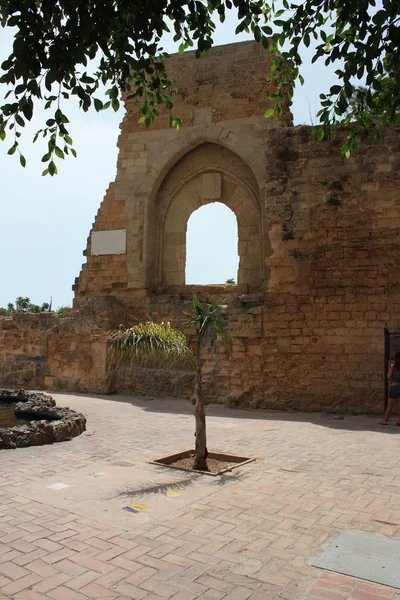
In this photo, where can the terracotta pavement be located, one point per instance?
(250, 534)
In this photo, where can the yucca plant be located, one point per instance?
(160, 345)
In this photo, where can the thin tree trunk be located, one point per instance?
(200, 459)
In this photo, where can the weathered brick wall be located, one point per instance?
(222, 99)
(318, 243)
(334, 288)
(78, 347)
(313, 339)
(60, 352)
(23, 349)
(232, 373)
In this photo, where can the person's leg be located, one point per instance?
(388, 412)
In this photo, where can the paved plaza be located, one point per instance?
(253, 533)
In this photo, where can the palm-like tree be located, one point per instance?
(158, 344)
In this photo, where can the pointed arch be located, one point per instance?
(207, 173)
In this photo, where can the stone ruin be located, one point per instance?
(318, 278)
(33, 419)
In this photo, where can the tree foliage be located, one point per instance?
(363, 36)
(56, 43)
(24, 304)
(149, 345)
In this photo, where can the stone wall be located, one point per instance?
(334, 288)
(318, 244)
(23, 349)
(232, 373)
(60, 352)
(313, 338)
(222, 99)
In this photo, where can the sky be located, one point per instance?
(45, 221)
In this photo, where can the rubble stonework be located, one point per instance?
(46, 423)
(319, 249)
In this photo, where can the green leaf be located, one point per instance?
(20, 120)
(52, 169)
(348, 88)
(380, 17)
(268, 113)
(267, 29)
(278, 108)
(59, 152)
(22, 160)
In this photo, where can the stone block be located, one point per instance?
(211, 183)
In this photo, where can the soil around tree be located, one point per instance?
(217, 462)
(214, 465)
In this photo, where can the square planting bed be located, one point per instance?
(218, 462)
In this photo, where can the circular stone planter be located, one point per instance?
(33, 419)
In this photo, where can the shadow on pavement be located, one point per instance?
(185, 407)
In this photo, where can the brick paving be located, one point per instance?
(251, 534)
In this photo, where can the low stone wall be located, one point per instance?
(60, 352)
(233, 373)
(155, 382)
(23, 349)
(287, 351)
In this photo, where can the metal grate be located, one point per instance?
(364, 555)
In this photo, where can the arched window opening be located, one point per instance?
(212, 246)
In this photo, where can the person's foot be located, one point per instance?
(384, 423)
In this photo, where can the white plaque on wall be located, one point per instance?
(109, 242)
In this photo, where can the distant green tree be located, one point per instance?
(61, 309)
(23, 304)
(230, 281)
